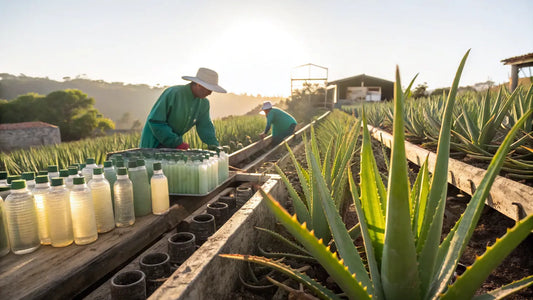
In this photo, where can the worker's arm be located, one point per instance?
(205, 127)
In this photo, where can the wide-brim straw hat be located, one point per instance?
(208, 79)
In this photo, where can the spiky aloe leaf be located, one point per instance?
(371, 199)
(506, 290)
(285, 255)
(299, 206)
(432, 226)
(303, 177)
(314, 286)
(329, 261)
(419, 197)
(345, 246)
(471, 280)
(399, 272)
(283, 239)
(466, 224)
(373, 264)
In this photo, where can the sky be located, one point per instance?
(256, 45)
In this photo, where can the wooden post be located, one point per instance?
(514, 77)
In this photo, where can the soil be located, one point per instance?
(491, 225)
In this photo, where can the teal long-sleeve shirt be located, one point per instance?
(280, 121)
(175, 112)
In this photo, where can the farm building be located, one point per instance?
(359, 88)
(27, 134)
(517, 63)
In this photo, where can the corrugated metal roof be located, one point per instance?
(516, 60)
(358, 76)
(25, 125)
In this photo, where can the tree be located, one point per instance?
(420, 90)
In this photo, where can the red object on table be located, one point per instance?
(183, 146)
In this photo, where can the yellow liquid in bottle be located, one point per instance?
(59, 218)
(103, 207)
(42, 219)
(83, 219)
(160, 197)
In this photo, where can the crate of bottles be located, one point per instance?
(189, 172)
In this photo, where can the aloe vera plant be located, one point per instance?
(401, 227)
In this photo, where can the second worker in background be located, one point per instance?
(282, 123)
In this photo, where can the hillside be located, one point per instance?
(119, 101)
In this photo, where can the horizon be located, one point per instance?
(254, 47)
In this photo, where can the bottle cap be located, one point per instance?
(57, 181)
(108, 164)
(63, 173)
(97, 171)
(89, 161)
(12, 178)
(52, 168)
(122, 171)
(18, 184)
(157, 166)
(28, 176)
(140, 162)
(158, 156)
(79, 180)
(132, 164)
(72, 170)
(82, 166)
(41, 179)
(3, 175)
(43, 172)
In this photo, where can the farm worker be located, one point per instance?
(178, 109)
(282, 123)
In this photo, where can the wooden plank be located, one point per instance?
(103, 291)
(509, 197)
(59, 273)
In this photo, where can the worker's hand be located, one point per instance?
(183, 146)
(214, 148)
(262, 135)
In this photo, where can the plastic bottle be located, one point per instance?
(3, 178)
(141, 188)
(41, 192)
(63, 173)
(111, 175)
(103, 207)
(4, 240)
(82, 210)
(12, 178)
(187, 179)
(53, 171)
(123, 190)
(203, 177)
(160, 197)
(72, 173)
(171, 169)
(30, 179)
(21, 217)
(87, 172)
(59, 219)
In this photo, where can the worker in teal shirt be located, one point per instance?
(180, 108)
(282, 123)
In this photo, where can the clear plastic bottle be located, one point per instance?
(203, 177)
(103, 206)
(30, 179)
(12, 178)
(141, 188)
(111, 175)
(123, 189)
(41, 192)
(4, 240)
(53, 171)
(160, 197)
(21, 217)
(82, 210)
(59, 218)
(87, 171)
(72, 173)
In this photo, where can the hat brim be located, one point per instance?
(211, 87)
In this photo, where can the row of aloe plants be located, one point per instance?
(480, 123)
(236, 132)
(400, 225)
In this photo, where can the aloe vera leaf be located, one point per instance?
(468, 220)
(432, 224)
(320, 224)
(315, 287)
(408, 89)
(373, 264)
(399, 272)
(302, 176)
(345, 247)
(506, 290)
(355, 231)
(329, 261)
(283, 239)
(421, 194)
(299, 206)
(466, 285)
(298, 257)
(488, 132)
(328, 161)
(370, 198)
